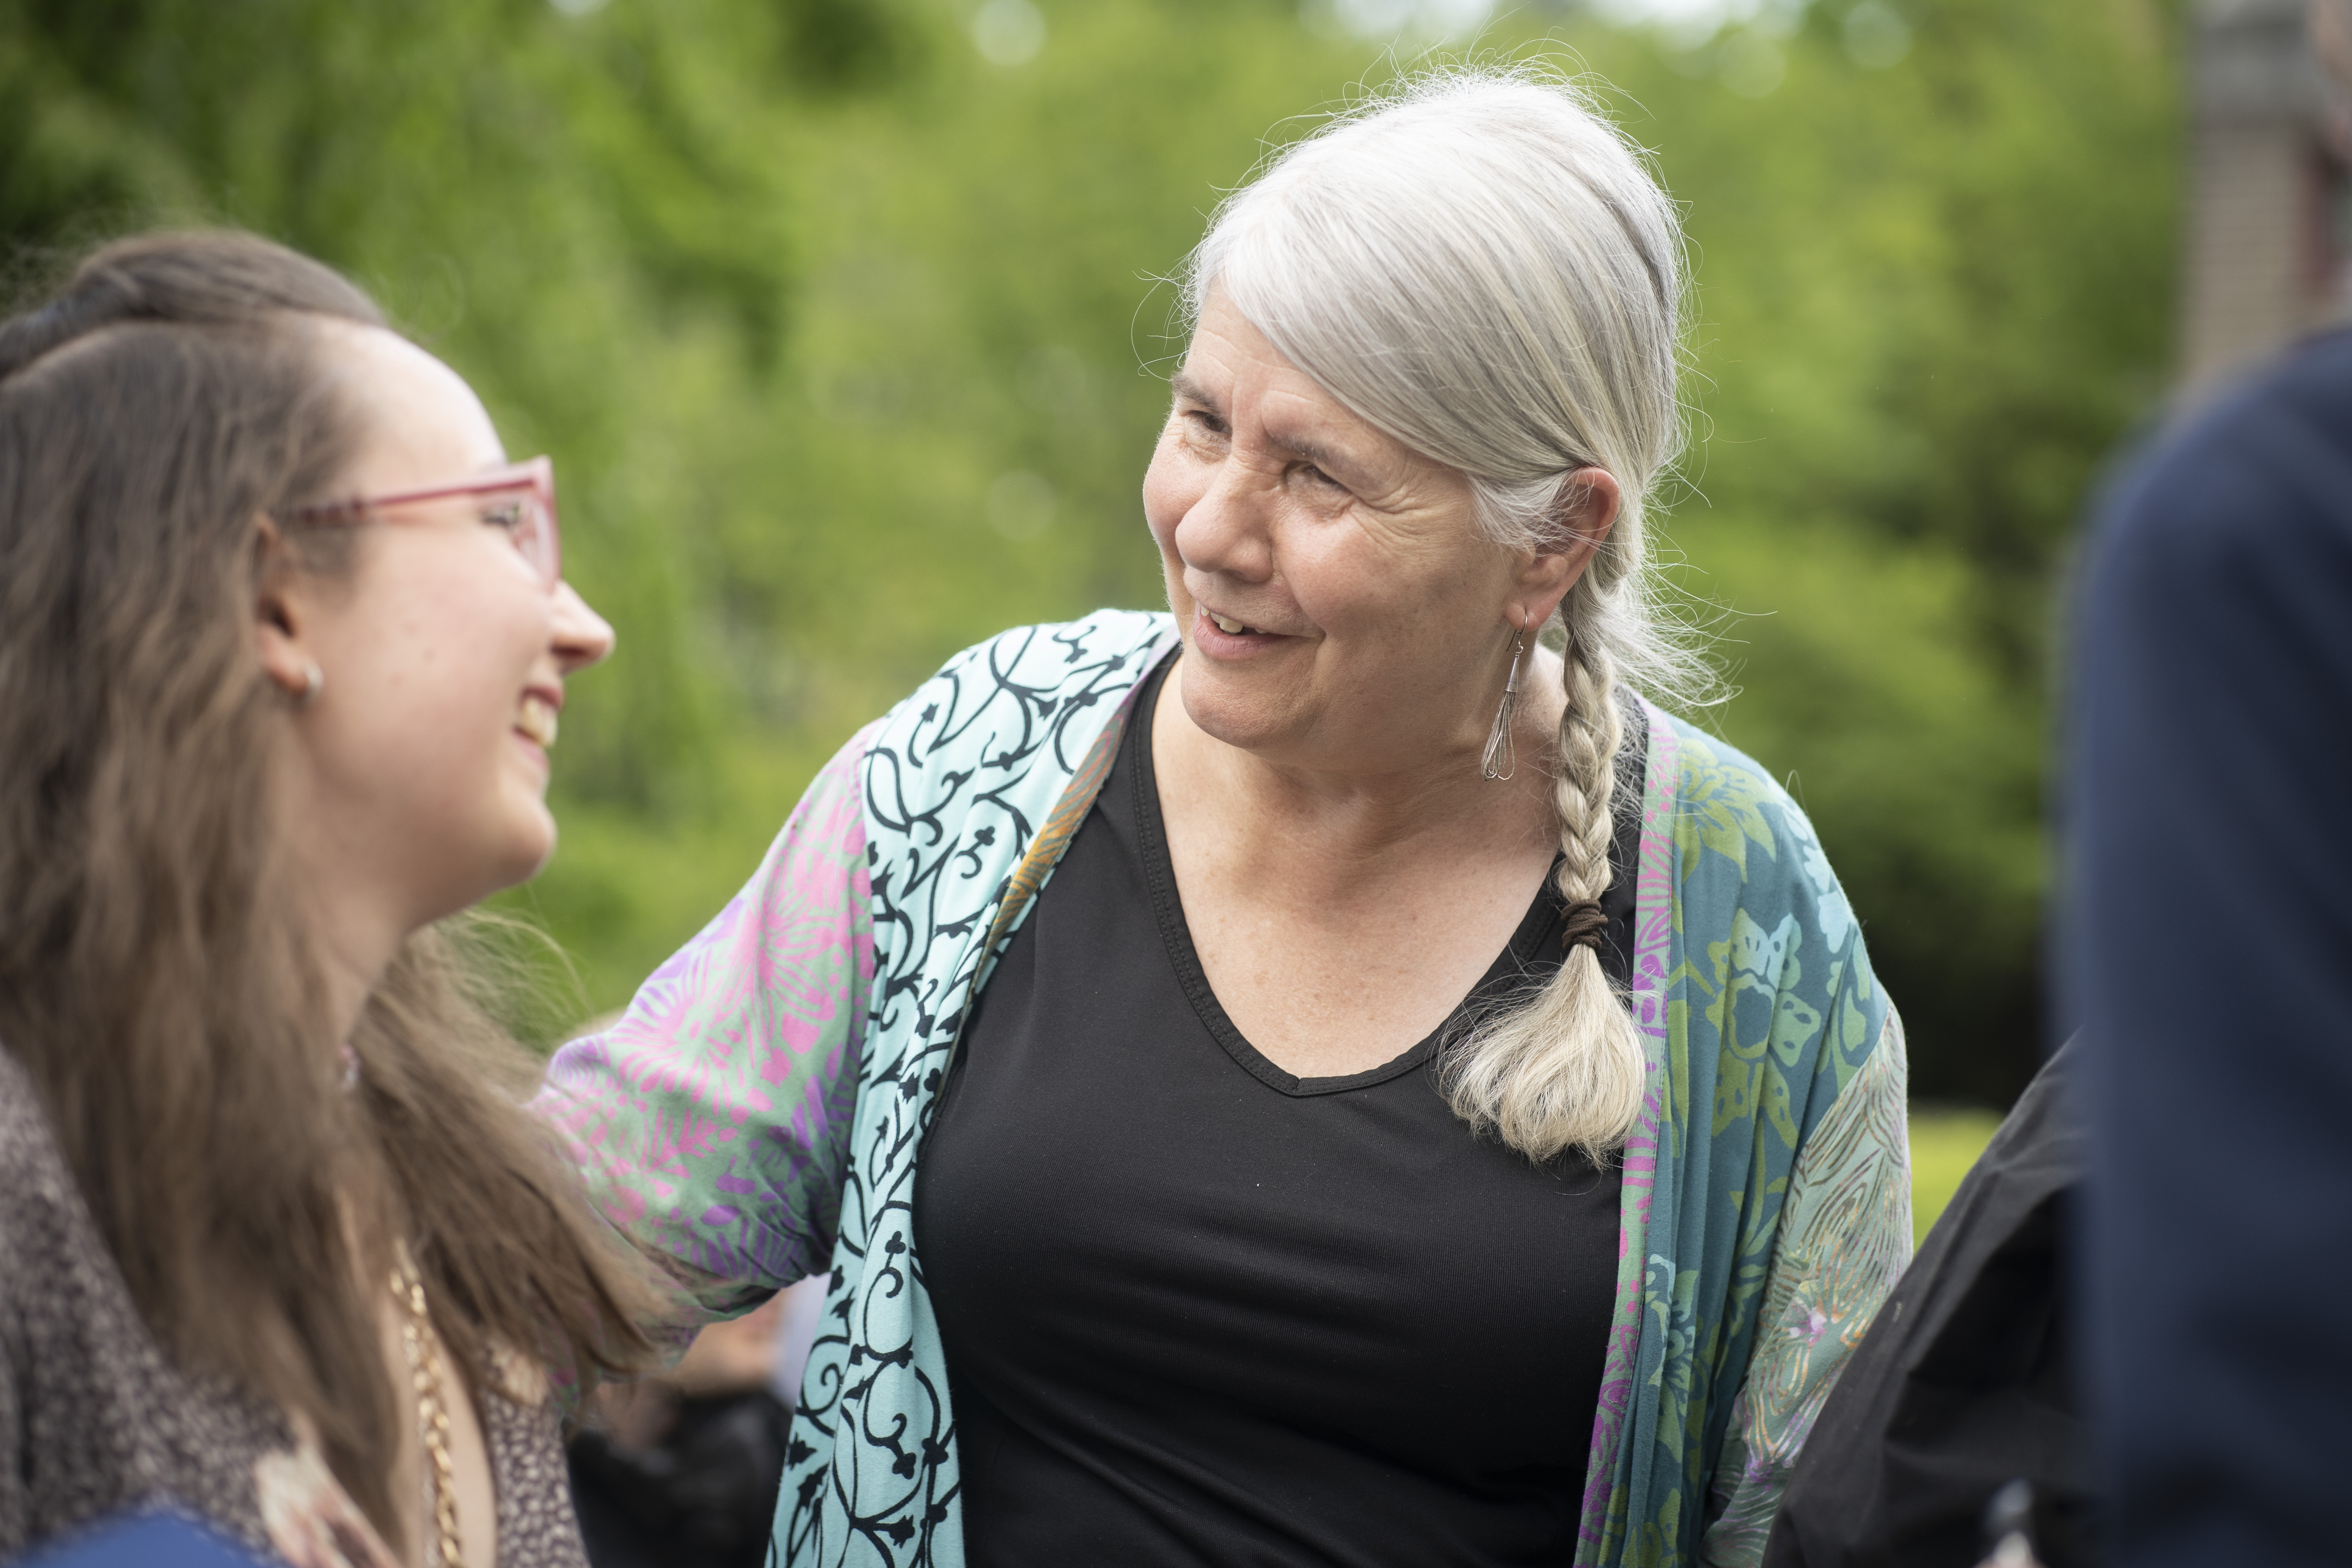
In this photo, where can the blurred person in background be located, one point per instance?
(1958, 1424)
(680, 1470)
(282, 641)
(1439, 1109)
(2208, 959)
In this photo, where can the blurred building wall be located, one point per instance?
(2268, 203)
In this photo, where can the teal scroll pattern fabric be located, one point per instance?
(957, 782)
(757, 1112)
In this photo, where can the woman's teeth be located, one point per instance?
(1227, 625)
(538, 719)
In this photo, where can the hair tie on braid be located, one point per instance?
(1583, 924)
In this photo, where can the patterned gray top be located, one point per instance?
(94, 1420)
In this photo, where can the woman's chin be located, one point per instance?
(530, 844)
(541, 845)
(1223, 710)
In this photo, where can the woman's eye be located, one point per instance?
(506, 515)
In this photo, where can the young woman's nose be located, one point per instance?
(580, 635)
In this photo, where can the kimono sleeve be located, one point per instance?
(1844, 1239)
(711, 1122)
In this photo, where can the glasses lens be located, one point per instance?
(527, 524)
(536, 540)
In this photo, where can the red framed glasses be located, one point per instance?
(519, 498)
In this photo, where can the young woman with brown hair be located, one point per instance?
(282, 641)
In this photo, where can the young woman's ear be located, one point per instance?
(280, 611)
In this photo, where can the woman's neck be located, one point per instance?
(355, 943)
(1344, 822)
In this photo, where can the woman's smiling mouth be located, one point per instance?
(537, 719)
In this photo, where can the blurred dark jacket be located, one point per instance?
(2207, 956)
(1966, 1380)
(701, 1497)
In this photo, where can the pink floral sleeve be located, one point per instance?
(712, 1120)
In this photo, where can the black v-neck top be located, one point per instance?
(1200, 1312)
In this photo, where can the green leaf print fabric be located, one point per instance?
(1765, 1031)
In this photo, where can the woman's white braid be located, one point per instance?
(1586, 786)
(1563, 1069)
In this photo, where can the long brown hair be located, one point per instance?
(156, 978)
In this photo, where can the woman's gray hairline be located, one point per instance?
(1193, 283)
(1584, 88)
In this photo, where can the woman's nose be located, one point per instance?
(579, 636)
(1224, 530)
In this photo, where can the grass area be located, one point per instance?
(1945, 1141)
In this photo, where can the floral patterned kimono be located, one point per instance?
(756, 1114)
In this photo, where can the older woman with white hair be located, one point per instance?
(1320, 1077)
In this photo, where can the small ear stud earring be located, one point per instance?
(314, 680)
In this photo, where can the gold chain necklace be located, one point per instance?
(432, 1415)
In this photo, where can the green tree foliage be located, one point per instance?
(844, 337)
(1933, 301)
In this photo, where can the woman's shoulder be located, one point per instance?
(1726, 803)
(1750, 869)
(1110, 648)
(1033, 696)
(32, 1167)
(1760, 913)
(50, 1247)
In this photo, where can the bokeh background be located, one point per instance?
(840, 320)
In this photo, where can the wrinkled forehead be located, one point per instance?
(1230, 366)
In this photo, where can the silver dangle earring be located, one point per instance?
(1498, 762)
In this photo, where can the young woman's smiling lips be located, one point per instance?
(535, 725)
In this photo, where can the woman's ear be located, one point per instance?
(1582, 514)
(279, 613)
